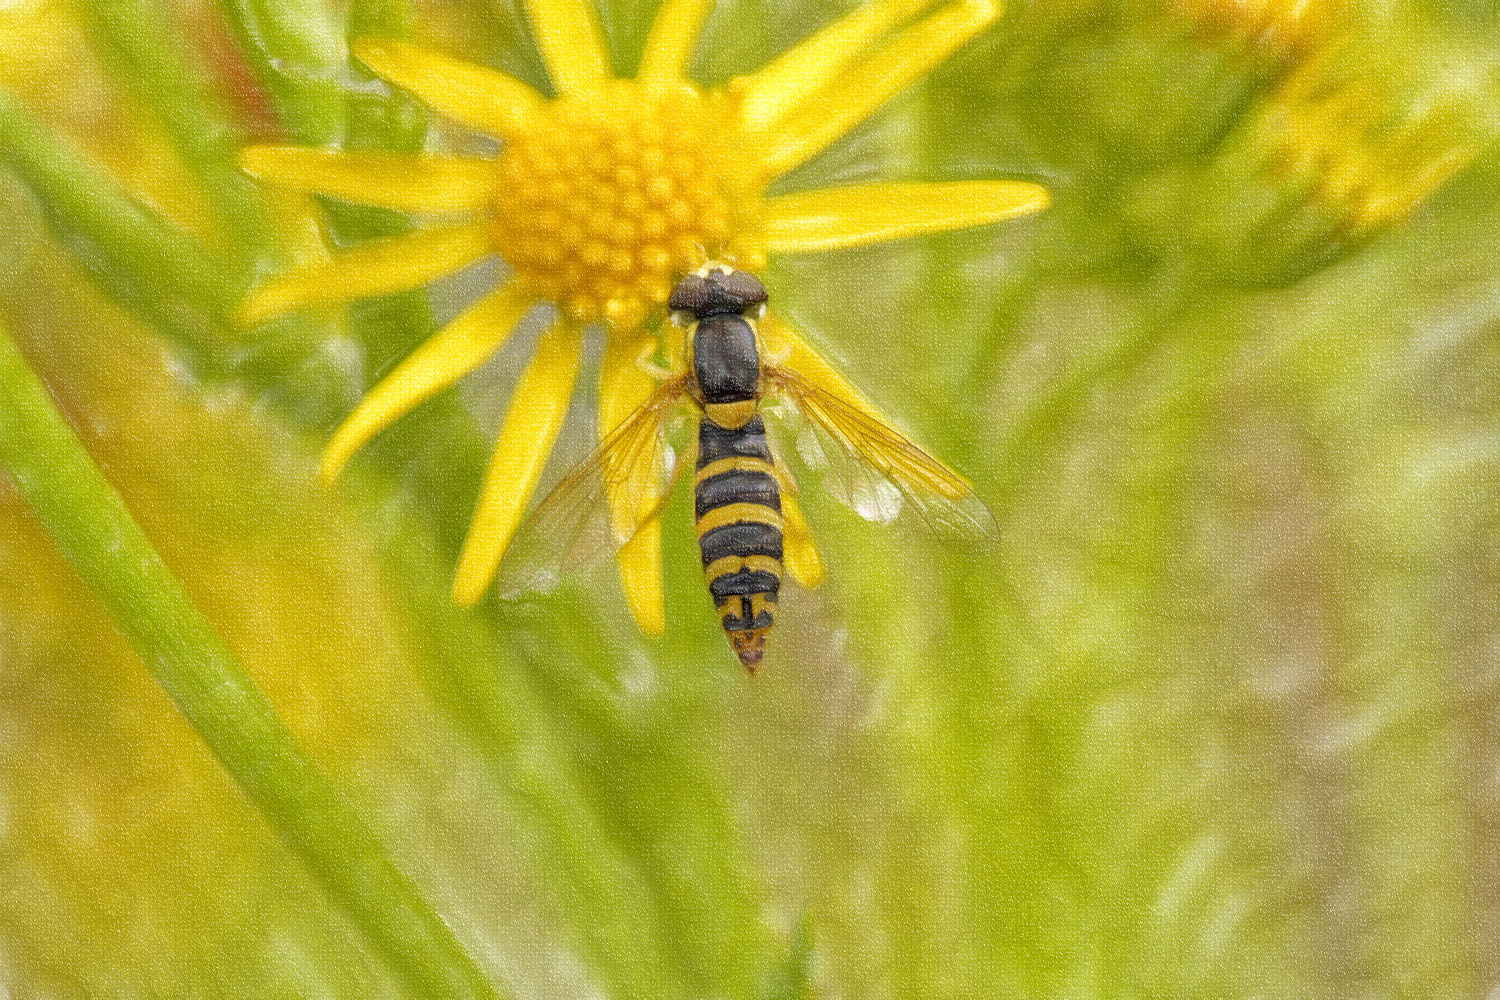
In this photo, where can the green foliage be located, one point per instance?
(1214, 720)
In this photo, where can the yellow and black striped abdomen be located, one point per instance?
(738, 513)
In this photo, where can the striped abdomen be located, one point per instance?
(738, 514)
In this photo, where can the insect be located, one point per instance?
(738, 483)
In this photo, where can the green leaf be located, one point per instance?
(164, 275)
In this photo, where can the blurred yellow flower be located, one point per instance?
(1337, 136)
(599, 200)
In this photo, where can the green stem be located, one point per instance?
(296, 51)
(147, 51)
(590, 878)
(95, 531)
(166, 277)
(129, 248)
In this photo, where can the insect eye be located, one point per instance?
(690, 295)
(741, 291)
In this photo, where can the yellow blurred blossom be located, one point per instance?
(1341, 140)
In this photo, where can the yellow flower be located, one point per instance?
(599, 200)
(1335, 134)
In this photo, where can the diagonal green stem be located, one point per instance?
(298, 55)
(152, 609)
(165, 276)
(129, 248)
(146, 49)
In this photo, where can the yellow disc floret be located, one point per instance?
(607, 199)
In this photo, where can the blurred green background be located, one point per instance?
(1217, 719)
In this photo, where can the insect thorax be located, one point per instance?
(726, 360)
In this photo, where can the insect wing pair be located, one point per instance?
(623, 484)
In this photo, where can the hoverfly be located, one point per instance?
(738, 483)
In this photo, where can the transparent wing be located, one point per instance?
(876, 471)
(600, 504)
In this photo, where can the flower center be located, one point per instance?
(611, 198)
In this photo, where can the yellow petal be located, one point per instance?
(674, 34)
(800, 72)
(641, 578)
(535, 417)
(788, 348)
(482, 98)
(388, 180)
(624, 386)
(444, 358)
(874, 213)
(801, 555)
(910, 54)
(370, 269)
(572, 44)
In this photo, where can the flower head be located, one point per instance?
(602, 197)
